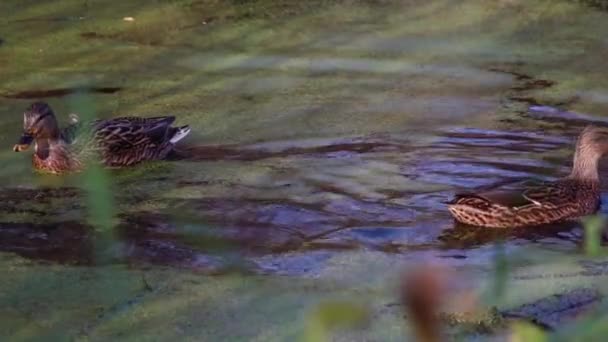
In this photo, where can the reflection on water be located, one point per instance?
(380, 192)
(68, 242)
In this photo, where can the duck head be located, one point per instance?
(39, 123)
(591, 146)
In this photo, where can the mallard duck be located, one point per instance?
(118, 142)
(568, 198)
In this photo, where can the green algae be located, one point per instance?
(162, 303)
(247, 72)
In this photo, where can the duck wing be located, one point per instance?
(138, 120)
(512, 199)
(128, 132)
(524, 193)
(552, 196)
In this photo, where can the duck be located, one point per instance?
(566, 199)
(116, 142)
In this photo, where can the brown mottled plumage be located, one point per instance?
(117, 142)
(569, 198)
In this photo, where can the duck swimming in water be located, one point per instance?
(568, 198)
(117, 142)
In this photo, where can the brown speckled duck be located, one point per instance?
(117, 142)
(569, 198)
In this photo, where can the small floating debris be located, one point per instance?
(128, 19)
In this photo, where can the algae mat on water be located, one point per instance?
(161, 303)
(321, 110)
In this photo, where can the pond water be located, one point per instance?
(320, 130)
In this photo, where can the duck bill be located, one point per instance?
(24, 143)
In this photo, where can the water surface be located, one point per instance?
(321, 131)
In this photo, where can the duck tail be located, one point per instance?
(180, 133)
